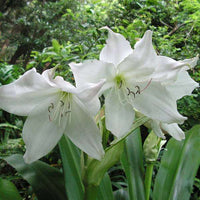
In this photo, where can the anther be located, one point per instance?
(62, 103)
(67, 112)
(51, 107)
(120, 84)
(128, 91)
(138, 91)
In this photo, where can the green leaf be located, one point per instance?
(97, 169)
(178, 168)
(132, 161)
(105, 189)
(140, 121)
(8, 191)
(7, 125)
(47, 181)
(121, 194)
(72, 169)
(56, 45)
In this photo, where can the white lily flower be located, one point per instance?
(54, 107)
(134, 79)
(184, 85)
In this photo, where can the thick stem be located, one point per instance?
(90, 192)
(148, 178)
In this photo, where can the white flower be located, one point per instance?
(134, 80)
(184, 85)
(53, 107)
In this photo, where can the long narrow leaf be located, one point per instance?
(132, 161)
(72, 169)
(8, 191)
(178, 168)
(105, 189)
(47, 181)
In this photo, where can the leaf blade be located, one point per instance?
(178, 168)
(47, 182)
(132, 162)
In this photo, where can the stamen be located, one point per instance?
(67, 112)
(131, 92)
(62, 103)
(146, 86)
(138, 91)
(51, 107)
(120, 84)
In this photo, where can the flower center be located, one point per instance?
(61, 109)
(128, 94)
(119, 80)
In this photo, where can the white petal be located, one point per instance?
(174, 130)
(49, 75)
(92, 71)
(116, 49)
(21, 96)
(83, 131)
(157, 103)
(88, 94)
(39, 133)
(64, 85)
(136, 68)
(144, 48)
(167, 69)
(140, 64)
(155, 125)
(119, 114)
(190, 63)
(184, 85)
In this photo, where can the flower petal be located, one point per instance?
(116, 49)
(184, 85)
(39, 133)
(119, 113)
(93, 71)
(155, 125)
(21, 96)
(83, 131)
(140, 64)
(167, 69)
(157, 103)
(144, 47)
(190, 63)
(174, 130)
(88, 94)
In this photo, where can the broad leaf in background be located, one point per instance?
(70, 155)
(132, 161)
(105, 189)
(47, 181)
(178, 168)
(8, 191)
(121, 194)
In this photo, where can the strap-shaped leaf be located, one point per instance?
(8, 191)
(47, 181)
(178, 168)
(132, 161)
(72, 169)
(105, 189)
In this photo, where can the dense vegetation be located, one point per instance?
(46, 33)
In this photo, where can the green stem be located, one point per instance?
(90, 192)
(148, 178)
